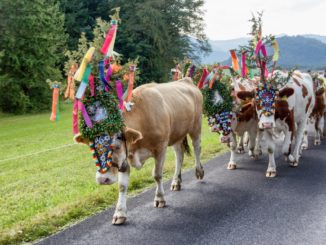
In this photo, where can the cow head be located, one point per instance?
(266, 104)
(109, 154)
(248, 106)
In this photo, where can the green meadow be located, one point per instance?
(47, 182)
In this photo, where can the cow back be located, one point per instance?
(165, 113)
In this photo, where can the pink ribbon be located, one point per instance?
(202, 78)
(263, 50)
(108, 74)
(258, 46)
(75, 117)
(118, 87)
(87, 120)
(91, 84)
(243, 65)
(108, 39)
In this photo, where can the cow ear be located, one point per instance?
(133, 135)
(320, 91)
(244, 95)
(78, 138)
(286, 92)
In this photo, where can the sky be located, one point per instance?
(228, 19)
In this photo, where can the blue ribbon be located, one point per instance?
(102, 75)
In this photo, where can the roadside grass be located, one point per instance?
(48, 183)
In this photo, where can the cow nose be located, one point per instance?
(267, 125)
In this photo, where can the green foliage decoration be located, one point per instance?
(112, 124)
(223, 87)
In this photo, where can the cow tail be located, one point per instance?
(186, 147)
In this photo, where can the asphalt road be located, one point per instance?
(228, 207)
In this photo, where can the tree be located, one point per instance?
(32, 46)
(81, 15)
(159, 32)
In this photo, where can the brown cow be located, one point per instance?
(317, 115)
(162, 115)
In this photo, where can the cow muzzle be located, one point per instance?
(105, 179)
(267, 125)
(225, 139)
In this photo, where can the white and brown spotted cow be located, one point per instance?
(293, 106)
(243, 122)
(318, 113)
(162, 115)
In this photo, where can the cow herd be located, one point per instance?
(163, 115)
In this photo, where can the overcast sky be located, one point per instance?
(227, 19)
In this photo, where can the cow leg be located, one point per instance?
(286, 148)
(271, 170)
(176, 182)
(257, 149)
(324, 131)
(120, 214)
(318, 130)
(240, 147)
(294, 158)
(159, 201)
(232, 164)
(197, 149)
(305, 144)
(252, 143)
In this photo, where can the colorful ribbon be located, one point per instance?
(131, 83)
(83, 85)
(87, 58)
(107, 48)
(234, 59)
(119, 89)
(176, 75)
(211, 82)
(91, 85)
(276, 54)
(103, 76)
(55, 104)
(108, 73)
(82, 108)
(70, 91)
(258, 47)
(243, 65)
(202, 78)
(191, 71)
(75, 118)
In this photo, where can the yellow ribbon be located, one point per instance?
(87, 58)
(276, 48)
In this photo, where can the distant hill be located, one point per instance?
(306, 52)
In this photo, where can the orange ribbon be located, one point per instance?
(55, 98)
(70, 91)
(235, 63)
(131, 83)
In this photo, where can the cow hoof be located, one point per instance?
(294, 164)
(304, 147)
(232, 166)
(175, 187)
(118, 220)
(200, 173)
(317, 142)
(159, 204)
(240, 150)
(291, 158)
(271, 174)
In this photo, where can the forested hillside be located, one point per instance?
(35, 35)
